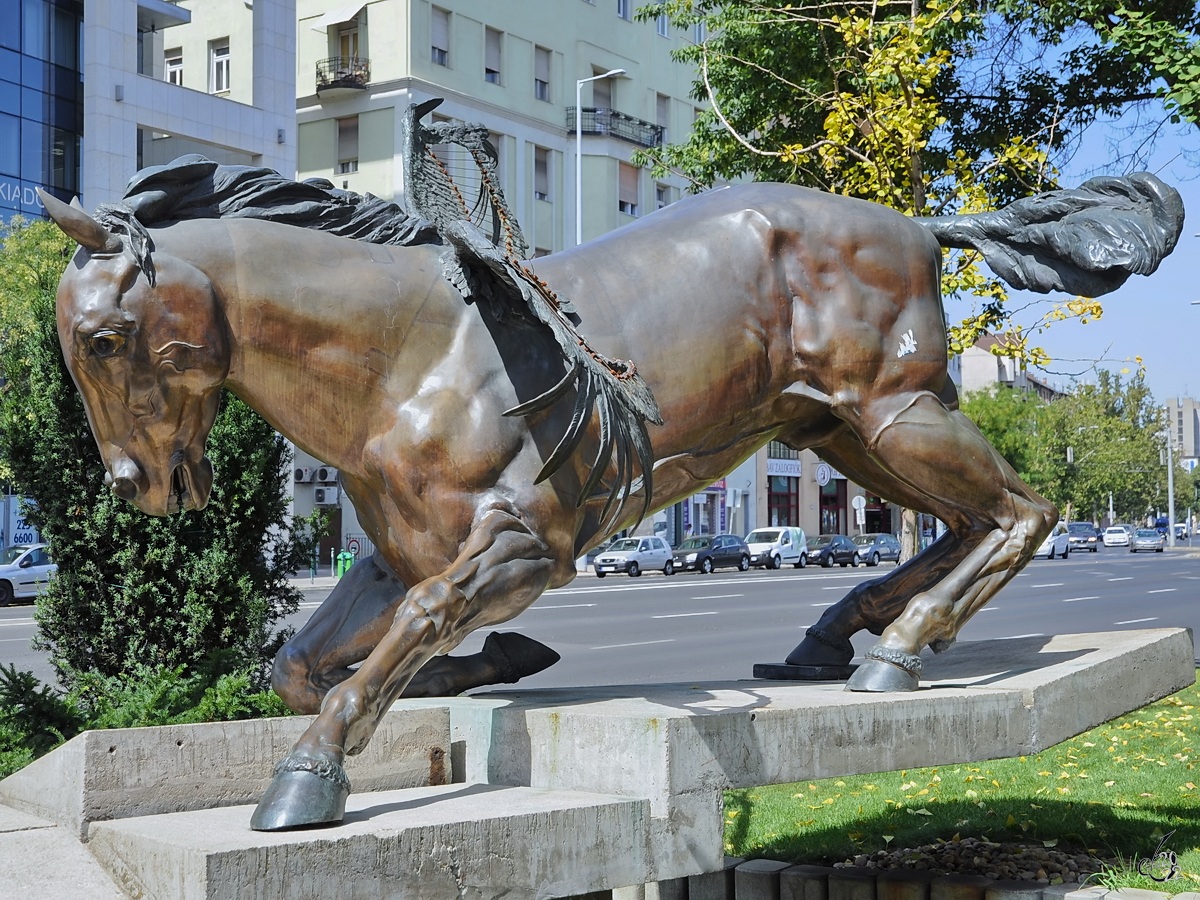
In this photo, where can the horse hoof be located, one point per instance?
(516, 656)
(304, 793)
(813, 651)
(887, 671)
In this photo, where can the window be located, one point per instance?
(627, 200)
(218, 73)
(624, 9)
(497, 142)
(541, 74)
(173, 66)
(662, 23)
(491, 56)
(440, 37)
(540, 252)
(541, 173)
(662, 196)
(700, 32)
(662, 114)
(347, 145)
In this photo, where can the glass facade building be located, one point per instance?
(41, 102)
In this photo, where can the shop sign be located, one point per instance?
(19, 531)
(789, 468)
(823, 473)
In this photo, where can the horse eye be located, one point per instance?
(107, 343)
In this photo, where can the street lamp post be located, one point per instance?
(1170, 491)
(611, 73)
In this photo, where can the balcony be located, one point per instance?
(340, 74)
(616, 124)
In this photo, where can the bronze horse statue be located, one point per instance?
(758, 312)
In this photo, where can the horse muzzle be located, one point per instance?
(191, 485)
(125, 478)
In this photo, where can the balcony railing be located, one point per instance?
(343, 72)
(616, 124)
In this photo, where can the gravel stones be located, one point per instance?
(974, 856)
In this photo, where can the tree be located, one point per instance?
(930, 108)
(133, 591)
(1009, 420)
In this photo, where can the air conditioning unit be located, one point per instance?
(326, 496)
(327, 475)
(304, 476)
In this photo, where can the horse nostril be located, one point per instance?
(125, 488)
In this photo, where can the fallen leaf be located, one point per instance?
(1053, 843)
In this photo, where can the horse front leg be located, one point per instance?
(502, 568)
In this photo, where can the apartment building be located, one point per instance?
(1183, 422)
(512, 65)
(88, 95)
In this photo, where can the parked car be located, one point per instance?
(875, 547)
(25, 571)
(1148, 539)
(706, 552)
(828, 549)
(1082, 536)
(1057, 543)
(634, 555)
(772, 547)
(1116, 536)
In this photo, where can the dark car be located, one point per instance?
(876, 547)
(1082, 536)
(827, 549)
(706, 552)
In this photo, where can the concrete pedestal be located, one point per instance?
(566, 792)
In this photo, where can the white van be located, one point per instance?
(772, 547)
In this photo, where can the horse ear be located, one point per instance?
(79, 225)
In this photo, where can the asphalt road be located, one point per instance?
(692, 627)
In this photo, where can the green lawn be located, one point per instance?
(1115, 790)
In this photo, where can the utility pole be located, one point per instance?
(1170, 492)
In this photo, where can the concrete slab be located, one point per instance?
(980, 700)
(47, 862)
(437, 843)
(117, 773)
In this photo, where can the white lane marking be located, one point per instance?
(565, 606)
(822, 604)
(1135, 621)
(14, 640)
(1014, 637)
(309, 605)
(718, 596)
(1050, 584)
(836, 587)
(1125, 578)
(1192, 577)
(634, 644)
(683, 615)
(1162, 591)
(16, 622)
(1073, 599)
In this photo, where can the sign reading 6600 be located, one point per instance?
(19, 530)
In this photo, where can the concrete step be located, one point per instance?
(112, 774)
(438, 843)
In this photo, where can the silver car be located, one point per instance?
(25, 571)
(634, 555)
(1147, 539)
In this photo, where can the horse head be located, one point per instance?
(148, 348)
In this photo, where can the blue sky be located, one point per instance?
(1151, 317)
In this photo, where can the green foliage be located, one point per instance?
(35, 719)
(1114, 431)
(135, 592)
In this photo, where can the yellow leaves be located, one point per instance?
(870, 787)
(908, 786)
(1011, 820)
(827, 801)
(972, 794)
(1109, 783)
(1043, 773)
(1063, 790)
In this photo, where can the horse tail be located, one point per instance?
(1086, 241)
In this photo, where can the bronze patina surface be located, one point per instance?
(758, 312)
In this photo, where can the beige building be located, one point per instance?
(1183, 420)
(512, 65)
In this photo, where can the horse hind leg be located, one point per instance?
(875, 604)
(998, 519)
